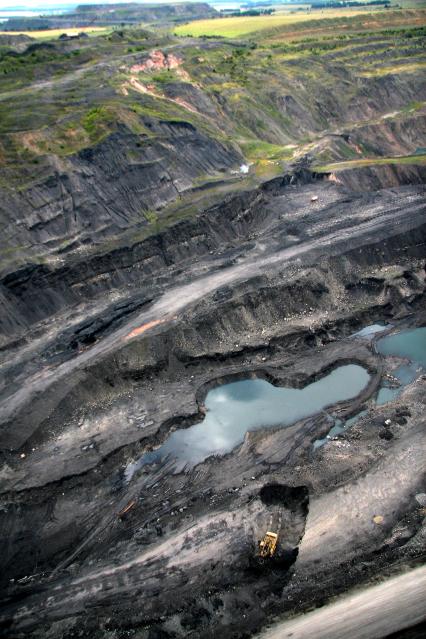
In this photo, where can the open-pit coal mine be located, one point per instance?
(213, 334)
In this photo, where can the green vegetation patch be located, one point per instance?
(353, 164)
(163, 77)
(236, 27)
(259, 149)
(38, 62)
(394, 69)
(52, 34)
(98, 121)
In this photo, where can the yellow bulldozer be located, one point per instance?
(268, 545)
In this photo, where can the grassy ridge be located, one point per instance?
(302, 23)
(364, 162)
(237, 27)
(261, 96)
(50, 34)
(288, 92)
(240, 83)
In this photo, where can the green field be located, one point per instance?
(304, 24)
(46, 34)
(415, 67)
(237, 27)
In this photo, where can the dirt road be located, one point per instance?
(373, 613)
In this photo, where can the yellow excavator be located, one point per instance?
(268, 545)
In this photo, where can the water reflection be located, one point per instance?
(408, 344)
(234, 409)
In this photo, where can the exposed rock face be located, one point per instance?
(392, 136)
(35, 291)
(112, 185)
(157, 60)
(382, 176)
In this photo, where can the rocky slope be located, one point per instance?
(140, 133)
(113, 185)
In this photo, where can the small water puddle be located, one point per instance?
(404, 375)
(407, 344)
(410, 345)
(339, 427)
(236, 408)
(372, 330)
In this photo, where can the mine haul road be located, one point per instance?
(373, 613)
